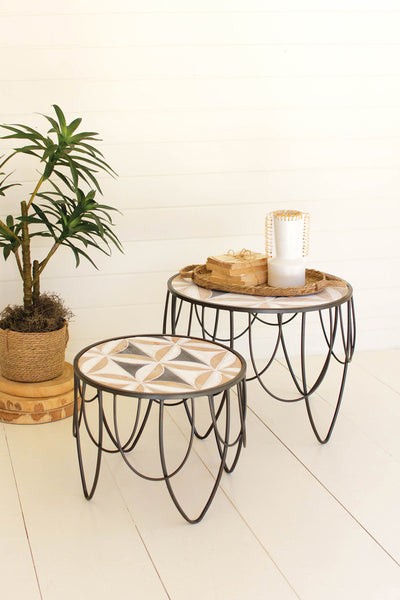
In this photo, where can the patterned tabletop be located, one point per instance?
(159, 365)
(188, 289)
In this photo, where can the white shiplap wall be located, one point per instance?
(215, 112)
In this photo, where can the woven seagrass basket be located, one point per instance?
(32, 357)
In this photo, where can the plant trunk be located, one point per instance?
(36, 282)
(26, 258)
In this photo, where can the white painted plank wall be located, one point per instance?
(214, 113)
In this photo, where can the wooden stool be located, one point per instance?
(35, 403)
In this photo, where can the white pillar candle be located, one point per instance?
(287, 237)
(286, 272)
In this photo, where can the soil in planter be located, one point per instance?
(48, 314)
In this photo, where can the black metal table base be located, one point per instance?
(106, 435)
(337, 326)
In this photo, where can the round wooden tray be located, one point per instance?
(315, 282)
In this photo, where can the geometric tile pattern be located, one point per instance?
(189, 289)
(160, 364)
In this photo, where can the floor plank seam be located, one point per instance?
(138, 530)
(23, 518)
(351, 419)
(221, 489)
(326, 489)
(149, 555)
(381, 381)
(259, 541)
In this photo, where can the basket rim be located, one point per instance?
(65, 325)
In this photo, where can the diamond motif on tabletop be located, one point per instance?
(152, 364)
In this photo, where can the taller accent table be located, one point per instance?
(333, 306)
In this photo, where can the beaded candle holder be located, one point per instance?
(287, 240)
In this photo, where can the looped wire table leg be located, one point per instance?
(77, 422)
(124, 452)
(240, 439)
(202, 436)
(222, 444)
(80, 419)
(348, 336)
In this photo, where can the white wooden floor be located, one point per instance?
(295, 520)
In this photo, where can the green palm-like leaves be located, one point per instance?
(66, 150)
(69, 162)
(76, 222)
(4, 187)
(9, 240)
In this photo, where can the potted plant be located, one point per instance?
(62, 207)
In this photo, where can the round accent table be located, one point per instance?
(161, 372)
(333, 315)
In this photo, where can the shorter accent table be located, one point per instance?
(162, 371)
